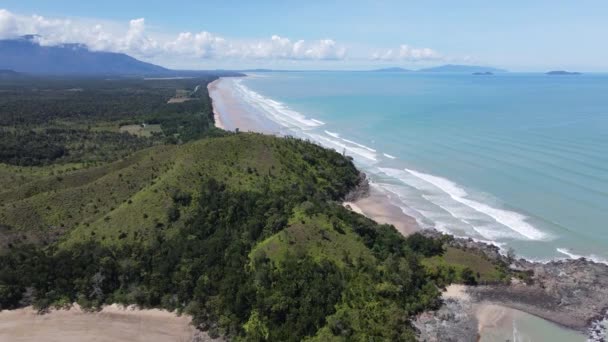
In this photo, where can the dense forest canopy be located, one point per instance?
(79, 119)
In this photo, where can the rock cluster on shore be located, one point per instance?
(454, 321)
(360, 191)
(572, 293)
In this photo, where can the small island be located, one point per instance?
(484, 73)
(562, 73)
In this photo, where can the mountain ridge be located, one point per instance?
(25, 55)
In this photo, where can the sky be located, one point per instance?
(526, 35)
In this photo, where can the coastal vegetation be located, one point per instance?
(244, 232)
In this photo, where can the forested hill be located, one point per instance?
(122, 191)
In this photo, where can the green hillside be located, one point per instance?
(245, 232)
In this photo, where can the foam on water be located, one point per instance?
(598, 331)
(389, 156)
(360, 145)
(332, 134)
(512, 220)
(592, 257)
(275, 110)
(339, 145)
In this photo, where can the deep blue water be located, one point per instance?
(517, 159)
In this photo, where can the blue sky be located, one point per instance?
(518, 35)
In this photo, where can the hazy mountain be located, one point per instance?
(562, 73)
(462, 68)
(26, 55)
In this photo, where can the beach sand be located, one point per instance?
(378, 207)
(501, 323)
(112, 323)
(456, 291)
(212, 88)
(231, 114)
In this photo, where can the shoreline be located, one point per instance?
(211, 87)
(111, 323)
(573, 294)
(377, 206)
(577, 314)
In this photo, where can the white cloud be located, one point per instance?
(407, 53)
(8, 24)
(282, 48)
(135, 40)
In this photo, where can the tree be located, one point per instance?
(468, 276)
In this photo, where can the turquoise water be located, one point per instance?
(517, 159)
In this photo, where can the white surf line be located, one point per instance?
(360, 145)
(592, 257)
(335, 135)
(509, 219)
(276, 111)
(389, 156)
(339, 144)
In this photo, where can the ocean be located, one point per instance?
(518, 160)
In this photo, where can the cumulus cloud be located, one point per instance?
(282, 48)
(407, 53)
(8, 24)
(135, 40)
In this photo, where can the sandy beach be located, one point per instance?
(378, 207)
(113, 323)
(212, 88)
(230, 114)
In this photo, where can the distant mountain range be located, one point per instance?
(26, 55)
(6, 72)
(562, 72)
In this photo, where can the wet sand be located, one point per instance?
(113, 323)
(500, 323)
(378, 207)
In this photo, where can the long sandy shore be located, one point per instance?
(231, 114)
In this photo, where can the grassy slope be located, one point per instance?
(120, 201)
(458, 259)
(315, 236)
